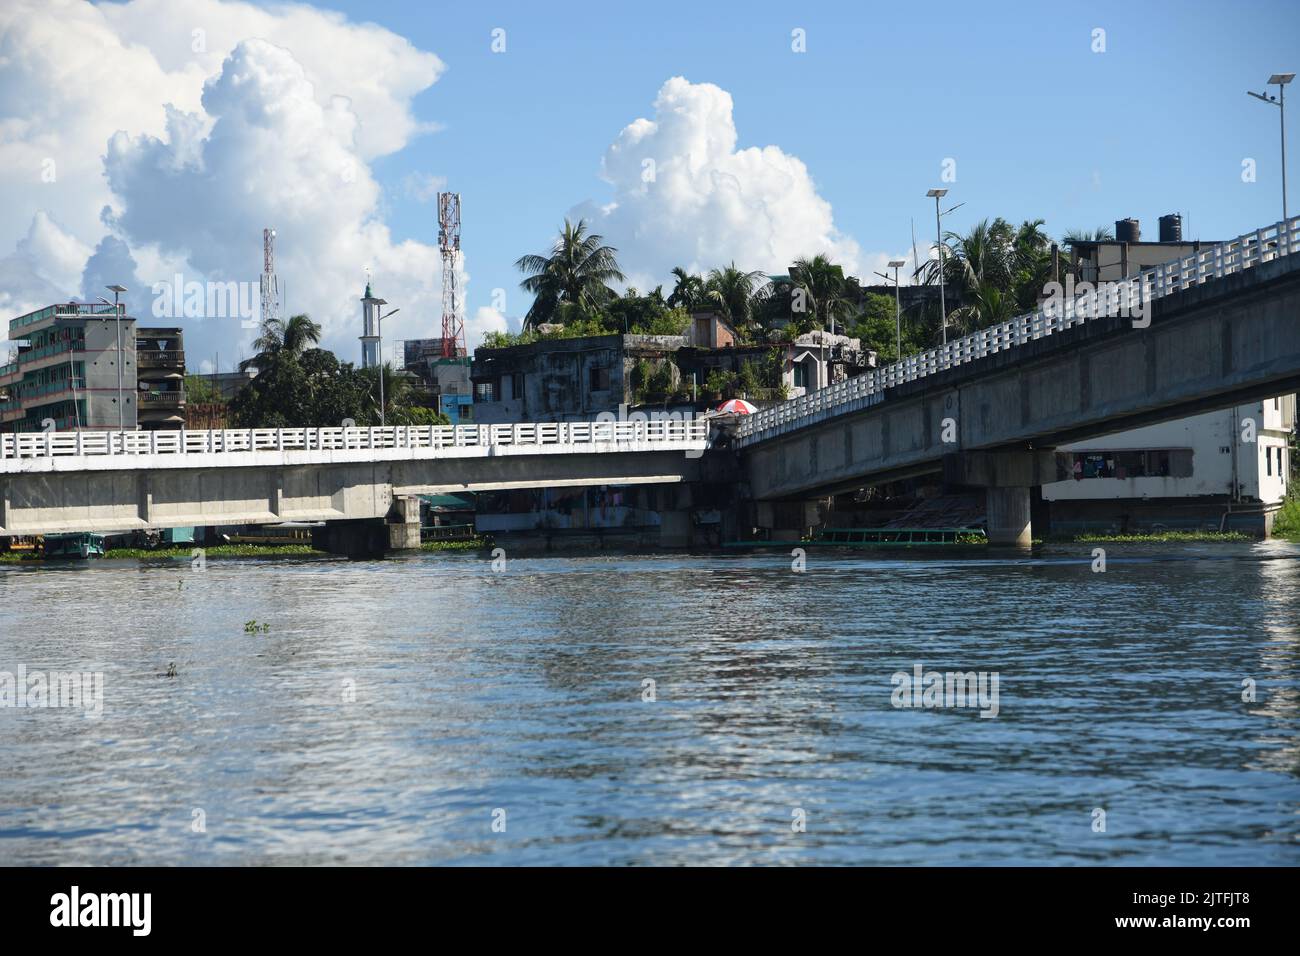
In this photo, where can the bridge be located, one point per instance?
(1217, 328)
(347, 477)
(1221, 327)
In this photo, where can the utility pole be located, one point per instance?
(938, 238)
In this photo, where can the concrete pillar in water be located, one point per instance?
(1008, 511)
(675, 529)
(359, 539)
(404, 523)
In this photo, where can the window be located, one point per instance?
(1268, 459)
(517, 385)
(1157, 463)
(800, 375)
(484, 392)
(599, 380)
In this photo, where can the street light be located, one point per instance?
(938, 194)
(1281, 80)
(379, 367)
(897, 264)
(117, 319)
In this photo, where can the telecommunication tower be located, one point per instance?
(453, 325)
(270, 284)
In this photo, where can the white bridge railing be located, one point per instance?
(580, 436)
(1212, 262)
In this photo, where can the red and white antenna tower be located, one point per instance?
(453, 326)
(270, 284)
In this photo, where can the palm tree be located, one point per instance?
(575, 273)
(1100, 234)
(824, 290)
(688, 292)
(984, 256)
(282, 338)
(734, 293)
(986, 305)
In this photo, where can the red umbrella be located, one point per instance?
(737, 406)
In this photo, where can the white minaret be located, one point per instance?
(370, 328)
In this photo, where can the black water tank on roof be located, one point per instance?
(1127, 230)
(1171, 228)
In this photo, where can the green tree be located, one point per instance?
(688, 291)
(576, 273)
(735, 293)
(282, 338)
(821, 298)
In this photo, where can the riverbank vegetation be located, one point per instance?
(1163, 537)
(1287, 522)
(462, 544)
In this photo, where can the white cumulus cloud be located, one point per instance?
(179, 128)
(684, 194)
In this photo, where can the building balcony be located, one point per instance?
(154, 399)
(171, 359)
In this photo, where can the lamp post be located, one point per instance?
(938, 194)
(379, 366)
(896, 264)
(1281, 80)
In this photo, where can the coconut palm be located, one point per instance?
(281, 338)
(1100, 234)
(824, 291)
(734, 293)
(575, 273)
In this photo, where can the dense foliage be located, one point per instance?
(297, 386)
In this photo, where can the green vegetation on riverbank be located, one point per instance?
(1162, 537)
(459, 544)
(1287, 523)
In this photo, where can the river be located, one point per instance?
(433, 710)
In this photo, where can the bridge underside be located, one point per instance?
(1230, 341)
(52, 501)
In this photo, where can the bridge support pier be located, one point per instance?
(785, 520)
(404, 523)
(1008, 514)
(1010, 480)
(359, 539)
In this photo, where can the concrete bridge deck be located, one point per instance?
(121, 481)
(1209, 341)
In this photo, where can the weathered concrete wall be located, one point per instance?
(1231, 340)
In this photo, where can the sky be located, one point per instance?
(144, 140)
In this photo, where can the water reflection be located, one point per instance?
(473, 691)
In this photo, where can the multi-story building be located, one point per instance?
(160, 378)
(72, 364)
(1226, 468)
(579, 378)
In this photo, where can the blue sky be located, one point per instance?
(1039, 124)
(179, 128)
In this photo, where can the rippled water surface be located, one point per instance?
(522, 691)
